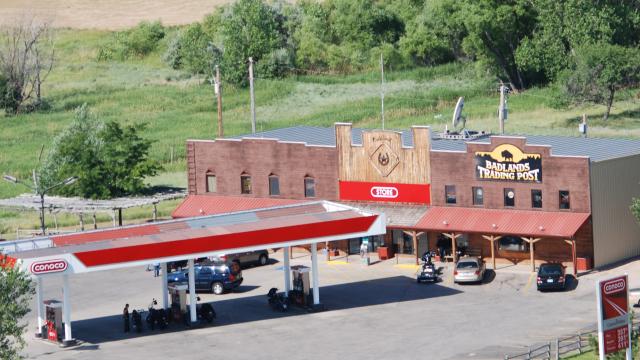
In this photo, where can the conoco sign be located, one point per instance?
(49, 266)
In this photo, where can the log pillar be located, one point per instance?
(492, 239)
(574, 259)
(453, 237)
(532, 242)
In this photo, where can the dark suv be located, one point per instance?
(551, 276)
(214, 278)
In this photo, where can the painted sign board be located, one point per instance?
(613, 318)
(385, 192)
(48, 266)
(508, 163)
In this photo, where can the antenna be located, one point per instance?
(457, 113)
(382, 88)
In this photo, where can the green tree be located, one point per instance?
(107, 159)
(600, 71)
(563, 26)
(249, 28)
(16, 290)
(635, 208)
(495, 28)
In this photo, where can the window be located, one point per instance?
(478, 196)
(565, 202)
(274, 185)
(536, 198)
(309, 187)
(212, 184)
(509, 197)
(450, 194)
(245, 183)
(512, 243)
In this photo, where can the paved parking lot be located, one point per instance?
(373, 312)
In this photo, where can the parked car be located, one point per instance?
(551, 276)
(469, 269)
(258, 257)
(214, 278)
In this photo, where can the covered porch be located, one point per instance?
(514, 235)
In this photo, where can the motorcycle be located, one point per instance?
(157, 317)
(277, 300)
(136, 319)
(429, 272)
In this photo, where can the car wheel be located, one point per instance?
(217, 288)
(263, 259)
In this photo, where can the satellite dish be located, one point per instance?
(457, 112)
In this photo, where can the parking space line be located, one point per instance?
(337, 262)
(407, 266)
(526, 287)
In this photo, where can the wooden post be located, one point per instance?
(119, 216)
(414, 238)
(492, 239)
(532, 242)
(453, 237)
(113, 217)
(155, 212)
(81, 222)
(95, 223)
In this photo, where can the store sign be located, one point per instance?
(507, 162)
(613, 319)
(368, 191)
(49, 266)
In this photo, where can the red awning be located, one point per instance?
(499, 221)
(201, 205)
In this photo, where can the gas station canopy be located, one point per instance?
(275, 227)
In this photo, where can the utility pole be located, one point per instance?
(218, 90)
(382, 89)
(502, 108)
(253, 102)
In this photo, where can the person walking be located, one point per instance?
(125, 316)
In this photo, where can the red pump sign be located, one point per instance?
(613, 319)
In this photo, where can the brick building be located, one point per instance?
(545, 198)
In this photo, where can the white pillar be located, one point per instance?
(314, 273)
(192, 292)
(165, 287)
(39, 306)
(287, 272)
(66, 309)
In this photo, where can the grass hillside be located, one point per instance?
(177, 106)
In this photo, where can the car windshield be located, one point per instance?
(550, 270)
(467, 265)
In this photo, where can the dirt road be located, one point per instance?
(107, 14)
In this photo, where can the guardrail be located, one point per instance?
(566, 346)
(541, 352)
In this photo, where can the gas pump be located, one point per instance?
(53, 320)
(364, 251)
(301, 285)
(178, 295)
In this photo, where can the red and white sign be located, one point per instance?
(386, 192)
(49, 266)
(613, 320)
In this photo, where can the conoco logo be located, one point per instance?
(49, 266)
(614, 286)
(384, 192)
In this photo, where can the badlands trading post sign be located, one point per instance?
(613, 317)
(507, 162)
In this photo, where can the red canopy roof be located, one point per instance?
(200, 205)
(498, 221)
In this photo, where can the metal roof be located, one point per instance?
(503, 222)
(199, 205)
(288, 225)
(398, 215)
(597, 149)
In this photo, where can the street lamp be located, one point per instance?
(40, 191)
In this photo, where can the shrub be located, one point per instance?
(136, 42)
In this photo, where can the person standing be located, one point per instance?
(125, 315)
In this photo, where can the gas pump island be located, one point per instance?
(306, 223)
